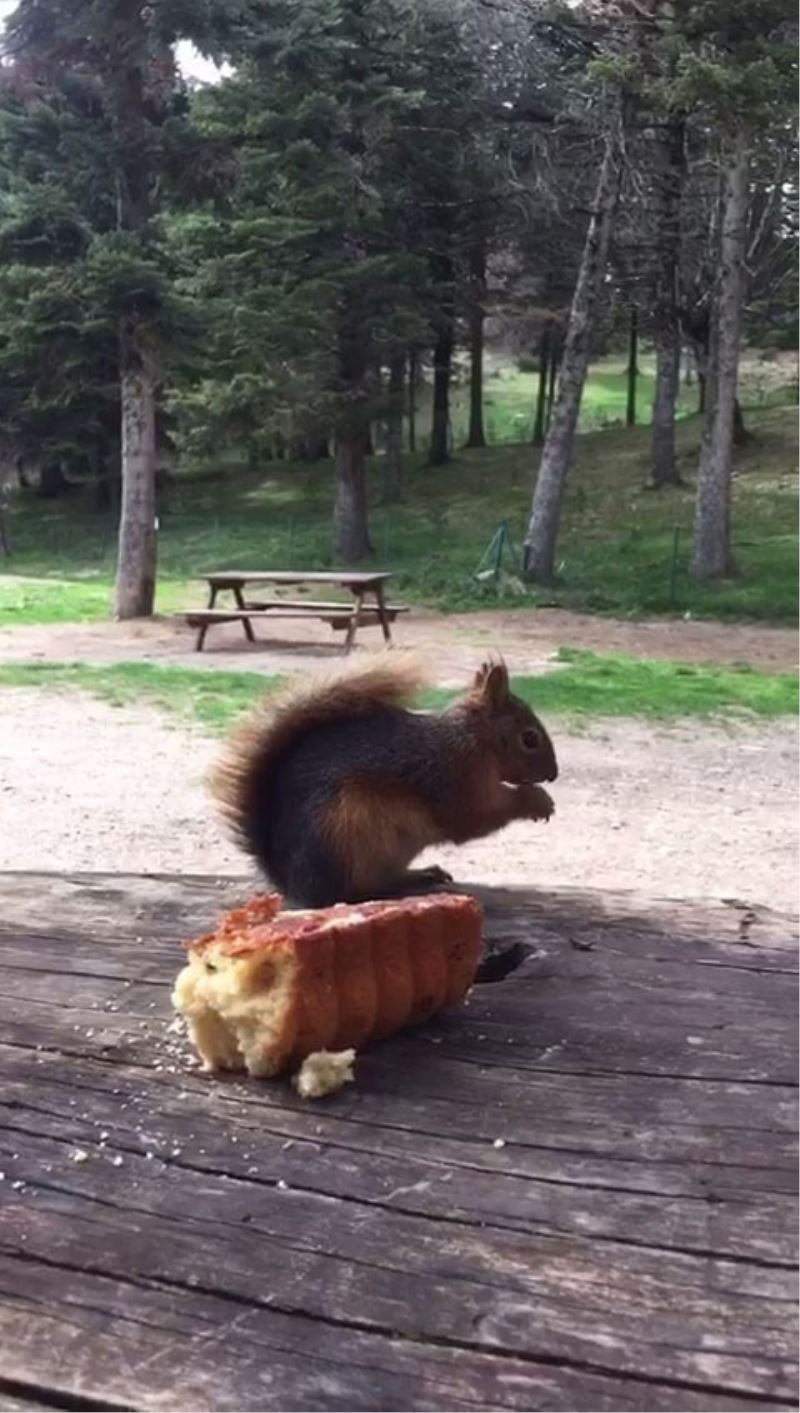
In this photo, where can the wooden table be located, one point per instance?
(361, 586)
(576, 1192)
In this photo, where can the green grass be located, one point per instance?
(583, 685)
(617, 549)
(510, 395)
(213, 699)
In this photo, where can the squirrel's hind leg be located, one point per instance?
(312, 877)
(416, 880)
(434, 874)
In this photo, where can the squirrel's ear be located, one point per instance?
(495, 685)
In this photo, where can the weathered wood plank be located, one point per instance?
(638, 1313)
(628, 1245)
(484, 1185)
(190, 1349)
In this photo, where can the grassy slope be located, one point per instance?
(587, 684)
(616, 546)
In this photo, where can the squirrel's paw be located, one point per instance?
(435, 874)
(541, 806)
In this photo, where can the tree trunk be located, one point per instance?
(540, 540)
(712, 557)
(440, 429)
(350, 533)
(476, 436)
(317, 448)
(701, 388)
(125, 76)
(350, 529)
(5, 541)
(664, 469)
(53, 484)
(134, 593)
(393, 479)
(442, 364)
(633, 366)
(670, 170)
(545, 344)
(556, 352)
(413, 373)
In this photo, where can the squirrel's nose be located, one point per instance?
(553, 774)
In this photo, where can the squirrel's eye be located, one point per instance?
(530, 740)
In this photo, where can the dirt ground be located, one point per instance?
(527, 639)
(683, 811)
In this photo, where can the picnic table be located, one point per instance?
(578, 1191)
(339, 614)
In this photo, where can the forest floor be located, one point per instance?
(623, 550)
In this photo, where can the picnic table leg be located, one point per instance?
(382, 614)
(204, 627)
(246, 624)
(355, 619)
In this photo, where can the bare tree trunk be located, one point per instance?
(442, 364)
(413, 373)
(350, 533)
(125, 77)
(540, 540)
(440, 429)
(393, 478)
(317, 448)
(702, 366)
(476, 436)
(53, 484)
(350, 529)
(545, 344)
(665, 395)
(670, 170)
(633, 366)
(712, 558)
(5, 541)
(134, 592)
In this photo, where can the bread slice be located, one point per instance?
(269, 987)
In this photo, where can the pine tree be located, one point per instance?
(105, 70)
(738, 68)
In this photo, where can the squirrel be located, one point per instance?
(337, 786)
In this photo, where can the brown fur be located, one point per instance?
(334, 787)
(270, 731)
(375, 833)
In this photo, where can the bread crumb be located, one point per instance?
(79, 1155)
(324, 1072)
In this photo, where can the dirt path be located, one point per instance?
(678, 811)
(528, 640)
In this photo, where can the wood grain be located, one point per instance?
(576, 1192)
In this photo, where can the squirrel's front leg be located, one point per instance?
(499, 804)
(532, 802)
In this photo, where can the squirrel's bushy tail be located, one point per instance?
(243, 776)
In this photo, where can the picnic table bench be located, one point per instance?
(348, 617)
(575, 1192)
